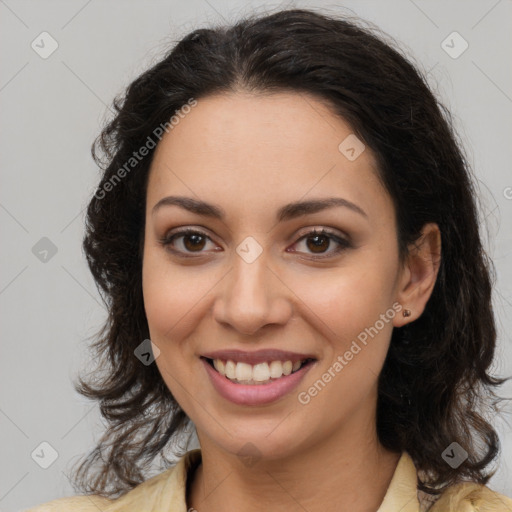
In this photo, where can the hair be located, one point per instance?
(434, 387)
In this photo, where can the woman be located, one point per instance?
(286, 215)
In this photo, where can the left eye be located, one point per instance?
(319, 241)
(193, 241)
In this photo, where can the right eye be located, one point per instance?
(192, 241)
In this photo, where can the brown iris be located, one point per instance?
(196, 244)
(320, 242)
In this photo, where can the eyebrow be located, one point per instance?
(286, 212)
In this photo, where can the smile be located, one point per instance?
(259, 374)
(256, 378)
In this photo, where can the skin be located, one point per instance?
(251, 154)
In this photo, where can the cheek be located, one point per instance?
(348, 299)
(167, 295)
(169, 299)
(347, 313)
(345, 307)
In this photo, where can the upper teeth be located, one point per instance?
(258, 373)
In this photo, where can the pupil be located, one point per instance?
(318, 244)
(194, 243)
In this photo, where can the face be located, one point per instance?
(253, 277)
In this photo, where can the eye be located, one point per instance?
(319, 241)
(194, 241)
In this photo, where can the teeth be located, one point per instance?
(220, 366)
(287, 367)
(230, 370)
(243, 371)
(276, 369)
(259, 373)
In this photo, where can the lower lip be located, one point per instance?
(257, 394)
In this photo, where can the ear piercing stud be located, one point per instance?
(407, 312)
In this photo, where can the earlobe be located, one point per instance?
(419, 274)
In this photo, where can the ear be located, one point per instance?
(419, 273)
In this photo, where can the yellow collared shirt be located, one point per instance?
(166, 492)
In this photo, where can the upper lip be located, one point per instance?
(257, 356)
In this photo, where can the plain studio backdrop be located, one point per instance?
(62, 64)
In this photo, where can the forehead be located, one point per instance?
(259, 150)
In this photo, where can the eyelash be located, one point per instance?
(342, 243)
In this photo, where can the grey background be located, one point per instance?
(53, 108)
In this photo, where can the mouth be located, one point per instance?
(256, 378)
(259, 374)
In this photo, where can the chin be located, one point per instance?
(257, 441)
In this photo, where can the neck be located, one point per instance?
(351, 475)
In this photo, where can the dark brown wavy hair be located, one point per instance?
(435, 387)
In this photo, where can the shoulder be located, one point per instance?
(165, 491)
(471, 497)
(91, 503)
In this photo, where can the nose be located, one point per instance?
(251, 297)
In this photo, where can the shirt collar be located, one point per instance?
(402, 493)
(167, 491)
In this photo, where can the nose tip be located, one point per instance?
(251, 298)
